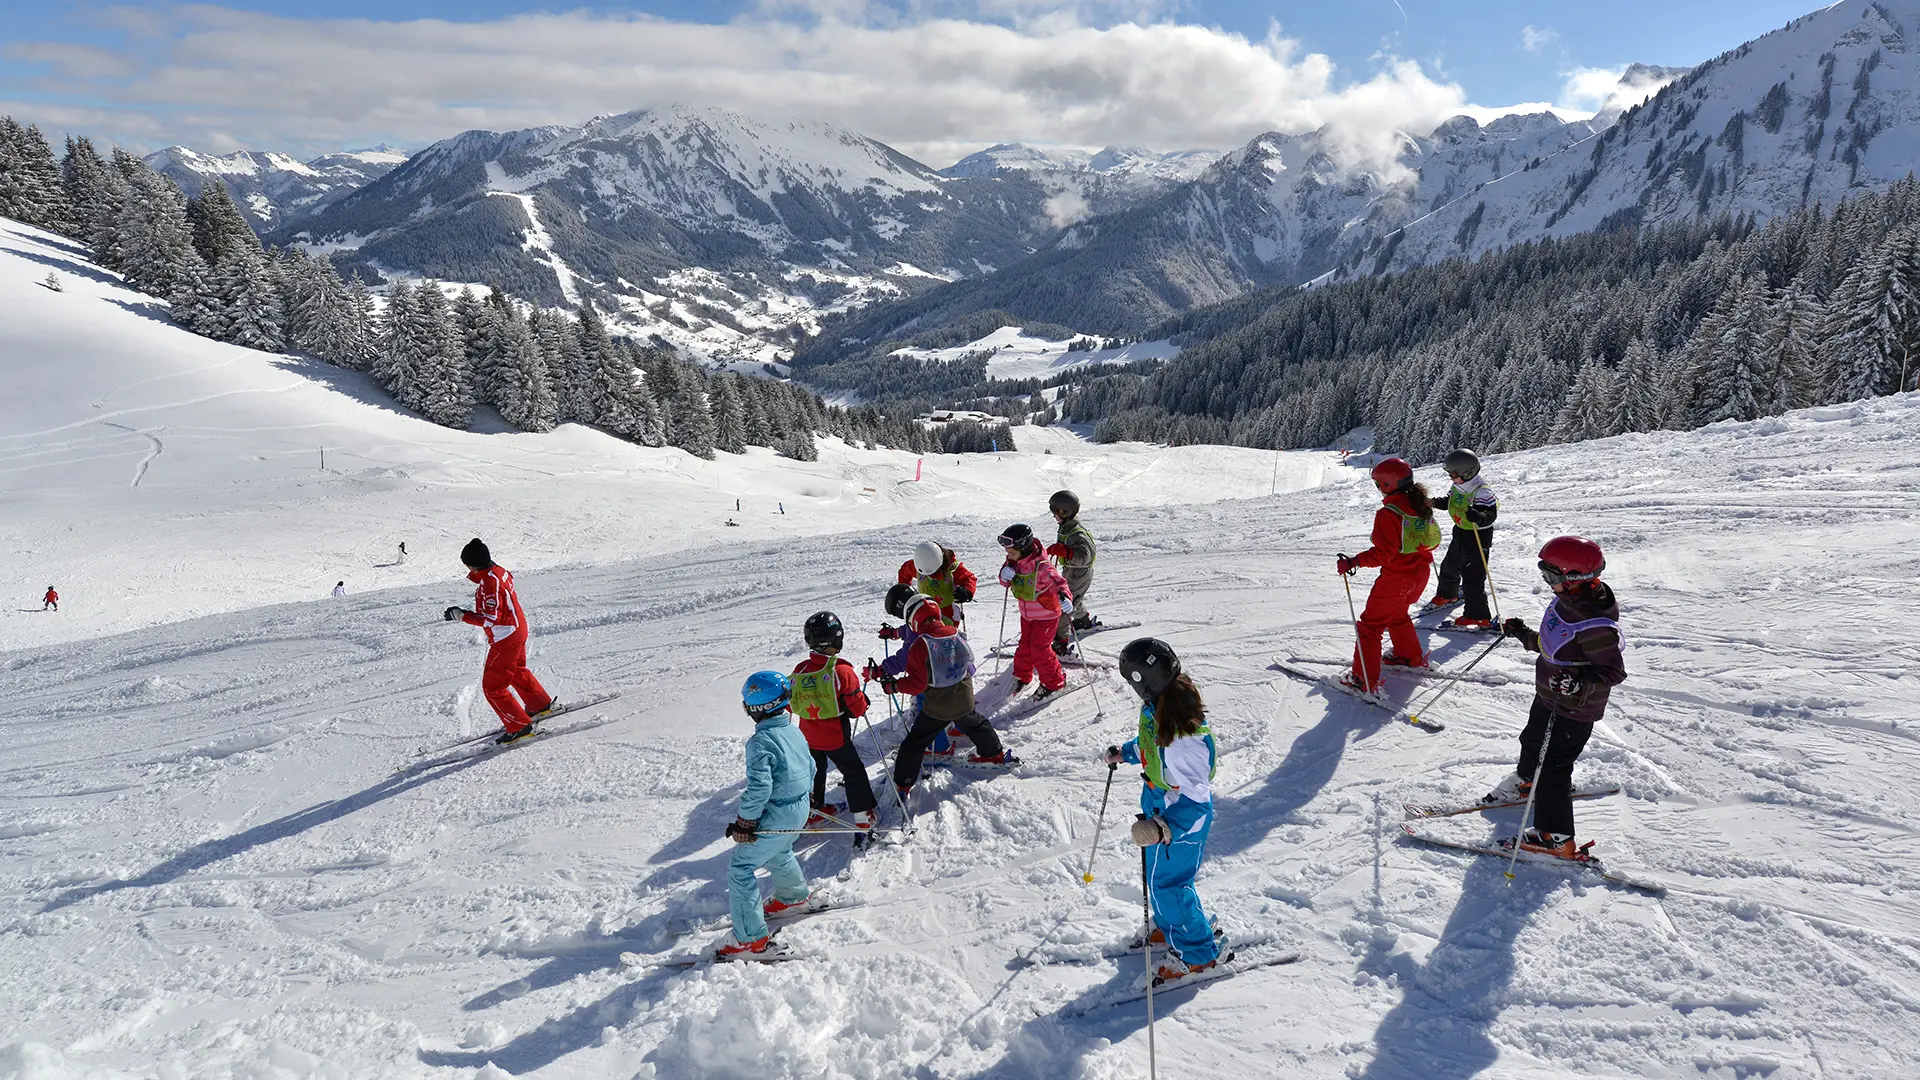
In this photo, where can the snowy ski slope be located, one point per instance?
(208, 867)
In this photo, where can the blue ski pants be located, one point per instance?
(1170, 869)
(776, 854)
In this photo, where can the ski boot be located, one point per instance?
(760, 949)
(1558, 845)
(513, 735)
(822, 816)
(1347, 680)
(1512, 789)
(1396, 660)
(777, 907)
(1173, 969)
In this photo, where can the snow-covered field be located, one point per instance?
(1019, 355)
(208, 868)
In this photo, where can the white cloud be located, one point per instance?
(1535, 38)
(1613, 90)
(934, 79)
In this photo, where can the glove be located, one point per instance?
(1006, 574)
(962, 594)
(743, 831)
(1060, 551)
(1514, 628)
(1148, 831)
(1066, 605)
(872, 672)
(1112, 756)
(889, 684)
(889, 633)
(1566, 684)
(454, 613)
(1345, 564)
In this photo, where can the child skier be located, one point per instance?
(1176, 755)
(826, 698)
(51, 601)
(1579, 663)
(339, 589)
(937, 665)
(938, 572)
(779, 774)
(497, 612)
(1463, 572)
(1044, 599)
(1074, 548)
(1404, 536)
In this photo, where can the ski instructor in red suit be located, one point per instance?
(497, 612)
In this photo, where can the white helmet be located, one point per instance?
(928, 557)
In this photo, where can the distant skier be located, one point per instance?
(1463, 572)
(339, 589)
(51, 601)
(1579, 664)
(1044, 598)
(403, 551)
(937, 665)
(497, 612)
(938, 572)
(1404, 536)
(1176, 755)
(826, 698)
(779, 774)
(1074, 548)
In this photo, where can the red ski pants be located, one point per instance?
(1386, 611)
(1036, 652)
(506, 674)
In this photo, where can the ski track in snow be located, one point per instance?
(209, 867)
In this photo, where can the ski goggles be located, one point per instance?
(1557, 576)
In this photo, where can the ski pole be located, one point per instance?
(1487, 571)
(1146, 938)
(1346, 580)
(1443, 691)
(1000, 647)
(1099, 823)
(886, 646)
(1093, 675)
(1526, 815)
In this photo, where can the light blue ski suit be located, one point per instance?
(1187, 763)
(779, 778)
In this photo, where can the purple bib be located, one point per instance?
(1556, 632)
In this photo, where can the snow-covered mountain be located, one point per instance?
(1824, 107)
(275, 189)
(1082, 184)
(715, 230)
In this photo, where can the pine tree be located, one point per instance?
(355, 341)
(729, 419)
(1786, 379)
(219, 229)
(444, 382)
(1639, 385)
(1730, 349)
(1873, 322)
(92, 197)
(1588, 404)
(192, 304)
(693, 429)
(152, 244)
(394, 365)
(248, 301)
(799, 446)
(516, 377)
(30, 187)
(560, 348)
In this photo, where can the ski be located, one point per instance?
(1069, 954)
(954, 761)
(1378, 701)
(1449, 626)
(1232, 964)
(1428, 810)
(1584, 862)
(774, 954)
(474, 749)
(722, 922)
(1489, 679)
(1103, 627)
(1000, 652)
(556, 710)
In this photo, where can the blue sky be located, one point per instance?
(160, 72)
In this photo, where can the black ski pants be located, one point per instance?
(906, 768)
(1463, 572)
(853, 776)
(1553, 794)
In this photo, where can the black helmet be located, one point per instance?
(824, 633)
(1463, 463)
(476, 555)
(897, 598)
(1064, 502)
(1016, 536)
(1149, 666)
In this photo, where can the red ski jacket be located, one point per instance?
(496, 607)
(51, 597)
(952, 575)
(1385, 552)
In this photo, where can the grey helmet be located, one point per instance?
(1064, 502)
(1463, 463)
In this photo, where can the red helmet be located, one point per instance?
(1571, 558)
(1390, 474)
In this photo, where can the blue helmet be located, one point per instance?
(765, 694)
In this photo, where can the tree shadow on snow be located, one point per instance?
(1240, 823)
(1439, 1029)
(209, 852)
(72, 266)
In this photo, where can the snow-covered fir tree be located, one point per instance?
(444, 385)
(729, 418)
(1873, 321)
(219, 229)
(30, 187)
(152, 243)
(1787, 376)
(93, 191)
(246, 301)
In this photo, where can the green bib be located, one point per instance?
(1148, 744)
(1074, 530)
(939, 586)
(1457, 503)
(1024, 587)
(816, 694)
(1417, 532)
